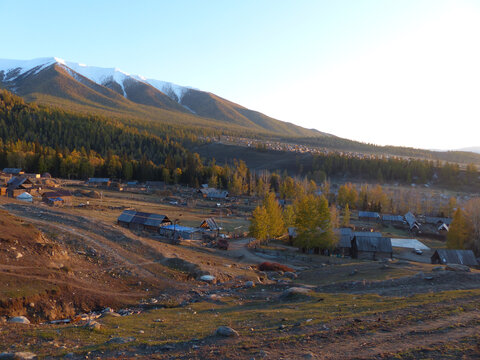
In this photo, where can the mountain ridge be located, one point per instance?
(53, 81)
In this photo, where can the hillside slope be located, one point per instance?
(72, 86)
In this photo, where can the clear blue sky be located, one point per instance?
(387, 72)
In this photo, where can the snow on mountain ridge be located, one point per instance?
(99, 75)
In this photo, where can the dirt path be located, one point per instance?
(238, 249)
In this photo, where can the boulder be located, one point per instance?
(249, 284)
(208, 278)
(457, 267)
(21, 355)
(294, 292)
(226, 331)
(19, 320)
(120, 340)
(93, 325)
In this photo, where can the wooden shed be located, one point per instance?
(371, 248)
(450, 256)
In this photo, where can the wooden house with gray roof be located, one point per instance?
(371, 248)
(142, 221)
(450, 256)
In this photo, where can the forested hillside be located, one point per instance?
(42, 139)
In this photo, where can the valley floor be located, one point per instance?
(146, 298)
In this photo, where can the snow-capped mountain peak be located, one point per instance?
(12, 69)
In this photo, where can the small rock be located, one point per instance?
(24, 355)
(293, 292)
(167, 347)
(69, 355)
(249, 284)
(107, 310)
(353, 272)
(309, 355)
(290, 275)
(428, 277)
(457, 267)
(438, 268)
(141, 332)
(207, 278)
(18, 255)
(19, 320)
(110, 314)
(93, 325)
(226, 331)
(120, 340)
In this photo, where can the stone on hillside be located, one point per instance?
(457, 267)
(24, 355)
(21, 355)
(120, 340)
(19, 320)
(438, 268)
(93, 325)
(249, 284)
(290, 275)
(207, 278)
(294, 292)
(226, 331)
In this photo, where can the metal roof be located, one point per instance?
(410, 219)
(367, 234)
(398, 218)
(377, 244)
(436, 220)
(156, 220)
(137, 217)
(209, 223)
(369, 214)
(16, 181)
(12, 170)
(449, 256)
(98, 180)
(127, 216)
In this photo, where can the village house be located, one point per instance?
(142, 221)
(368, 216)
(210, 224)
(57, 197)
(346, 235)
(449, 256)
(344, 245)
(412, 222)
(393, 219)
(13, 171)
(212, 193)
(371, 248)
(18, 185)
(98, 182)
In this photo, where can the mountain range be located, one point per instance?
(112, 92)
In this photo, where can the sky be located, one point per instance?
(387, 72)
